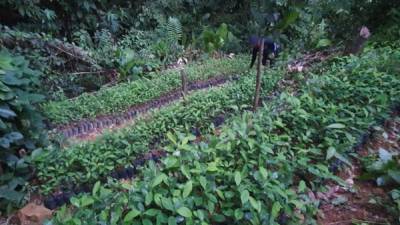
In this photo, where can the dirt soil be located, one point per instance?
(366, 202)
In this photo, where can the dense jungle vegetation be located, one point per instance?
(324, 131)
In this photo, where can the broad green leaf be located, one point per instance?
(324, 43)
(171, 162)
(288, 19)
(395, 175)
(201, 214)
(263, 172)
(10, 79)
(238, 178)
(220, 194)
(185, 212)
(330, 153)
(7, 113)
(14, 136)
(149, 198)
(238, 214)
(86, 201)
(276, 207)
(158, 199)
(159, 179)
(4, 142)
(336, 126)
(96, 188)
(10, 194)
(187, 189)
(298, 204)
(75, 201)
(185, 171)
(255, 204)
(343, 159)
(244, 196)
(167, 204)
(212, 167)
(131, 215)
(172, 138)
(302, 186)
(171, 220)
(203, 182)
(147, 222)
(151, 212)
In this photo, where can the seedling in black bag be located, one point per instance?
(59, 199)
(50, 203)
(67, 196)
(130, 171)
(139, 162)
(122, 174)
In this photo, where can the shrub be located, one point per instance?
(20, 127)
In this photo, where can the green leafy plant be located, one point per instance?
(258, 167)
(20, 127)
(214, 40)
(121, 97)
(72, 165)
(386, 169)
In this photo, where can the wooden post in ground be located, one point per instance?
(184, 84)
(258, 78)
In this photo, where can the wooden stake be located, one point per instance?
(258, 78)
(184, 84)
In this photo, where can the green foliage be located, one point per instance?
(121, 97)
(82, 39)
(200, 187)
(20, 127)
(173, 29)
(389, 32)
(58, 71)
(170, 47)
(214, 40)
(386, 169)
(137, 40)
(132, 67)
(318, 36)
(91, 161)
(395, 194)
(248, 173)
(105, 48)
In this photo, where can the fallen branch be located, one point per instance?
(12, 39)
(300, 65)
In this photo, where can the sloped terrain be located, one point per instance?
(275, 166)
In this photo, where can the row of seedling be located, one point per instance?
(64, 196)
(60, 198)
(88, 126)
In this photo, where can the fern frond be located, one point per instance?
(173, 29)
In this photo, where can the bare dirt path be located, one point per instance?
(365, 203)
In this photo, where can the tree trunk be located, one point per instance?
(358, 43)
(258, 78)
(184, 84)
